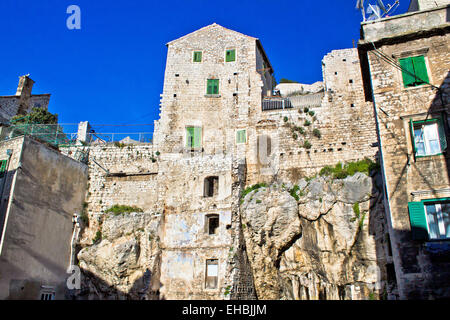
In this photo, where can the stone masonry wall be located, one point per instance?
(422, 267)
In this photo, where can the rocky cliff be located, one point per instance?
(124, 261)
(317, 239)
(320, 238)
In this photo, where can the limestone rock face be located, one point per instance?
(271, 221)
(124, 264)
(327, 245)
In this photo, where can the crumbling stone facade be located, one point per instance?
(212, 141)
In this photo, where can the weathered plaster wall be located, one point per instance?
(47, 189)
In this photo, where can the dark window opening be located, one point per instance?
(211, 186)
(390, 270)
(212, 223)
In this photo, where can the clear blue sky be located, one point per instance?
(111, 71)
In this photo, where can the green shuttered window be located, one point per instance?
(414, 71)
(212, 86)
(241, 136)
(430, 219)
(197, 56)
(3, 168)
(428, 137)
(230, 55)
(418, 221)
(193, 137)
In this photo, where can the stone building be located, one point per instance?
(221, 130)
(41, 190)
(23, 101)
(406, 63)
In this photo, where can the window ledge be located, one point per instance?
(212, 95)
(417, 87)
(430, 157)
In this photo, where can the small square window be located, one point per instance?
(414, 71)
(241, 136)
(428, 137)
(230, 55)
(212, 224)
(197, 56)
(211, 186)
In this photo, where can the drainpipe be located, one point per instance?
(76, 231)
(387, 207)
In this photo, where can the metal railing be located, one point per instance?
(123, 137)
(276, 103)
(49, 133)
(308, 100)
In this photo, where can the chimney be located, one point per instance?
(25, 86)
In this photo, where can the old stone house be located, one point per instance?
(406, 62)
(23, 101)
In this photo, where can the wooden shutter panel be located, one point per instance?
(420, 70)
(3, 167)
(418, 221)
(189, 137)
(215, 86)
(442, 137)
(233, 55)
(197, 137)
(413, 142)
(407, 72)
(209, 87)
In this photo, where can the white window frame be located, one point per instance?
(426, 139)
(206, 273)
(440, 221)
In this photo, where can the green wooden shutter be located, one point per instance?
(197, 137)
(420, 70)
(189, 137)
(230, 55)
(216, 86)
(241, 136)
(418, 220)
(407, 72)
(413, 142)
(209, 87)
(197, 56)
(3, 167)
(442, 137)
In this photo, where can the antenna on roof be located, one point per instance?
(376, 11)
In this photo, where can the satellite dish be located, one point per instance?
(376, 9)
(375, 12)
